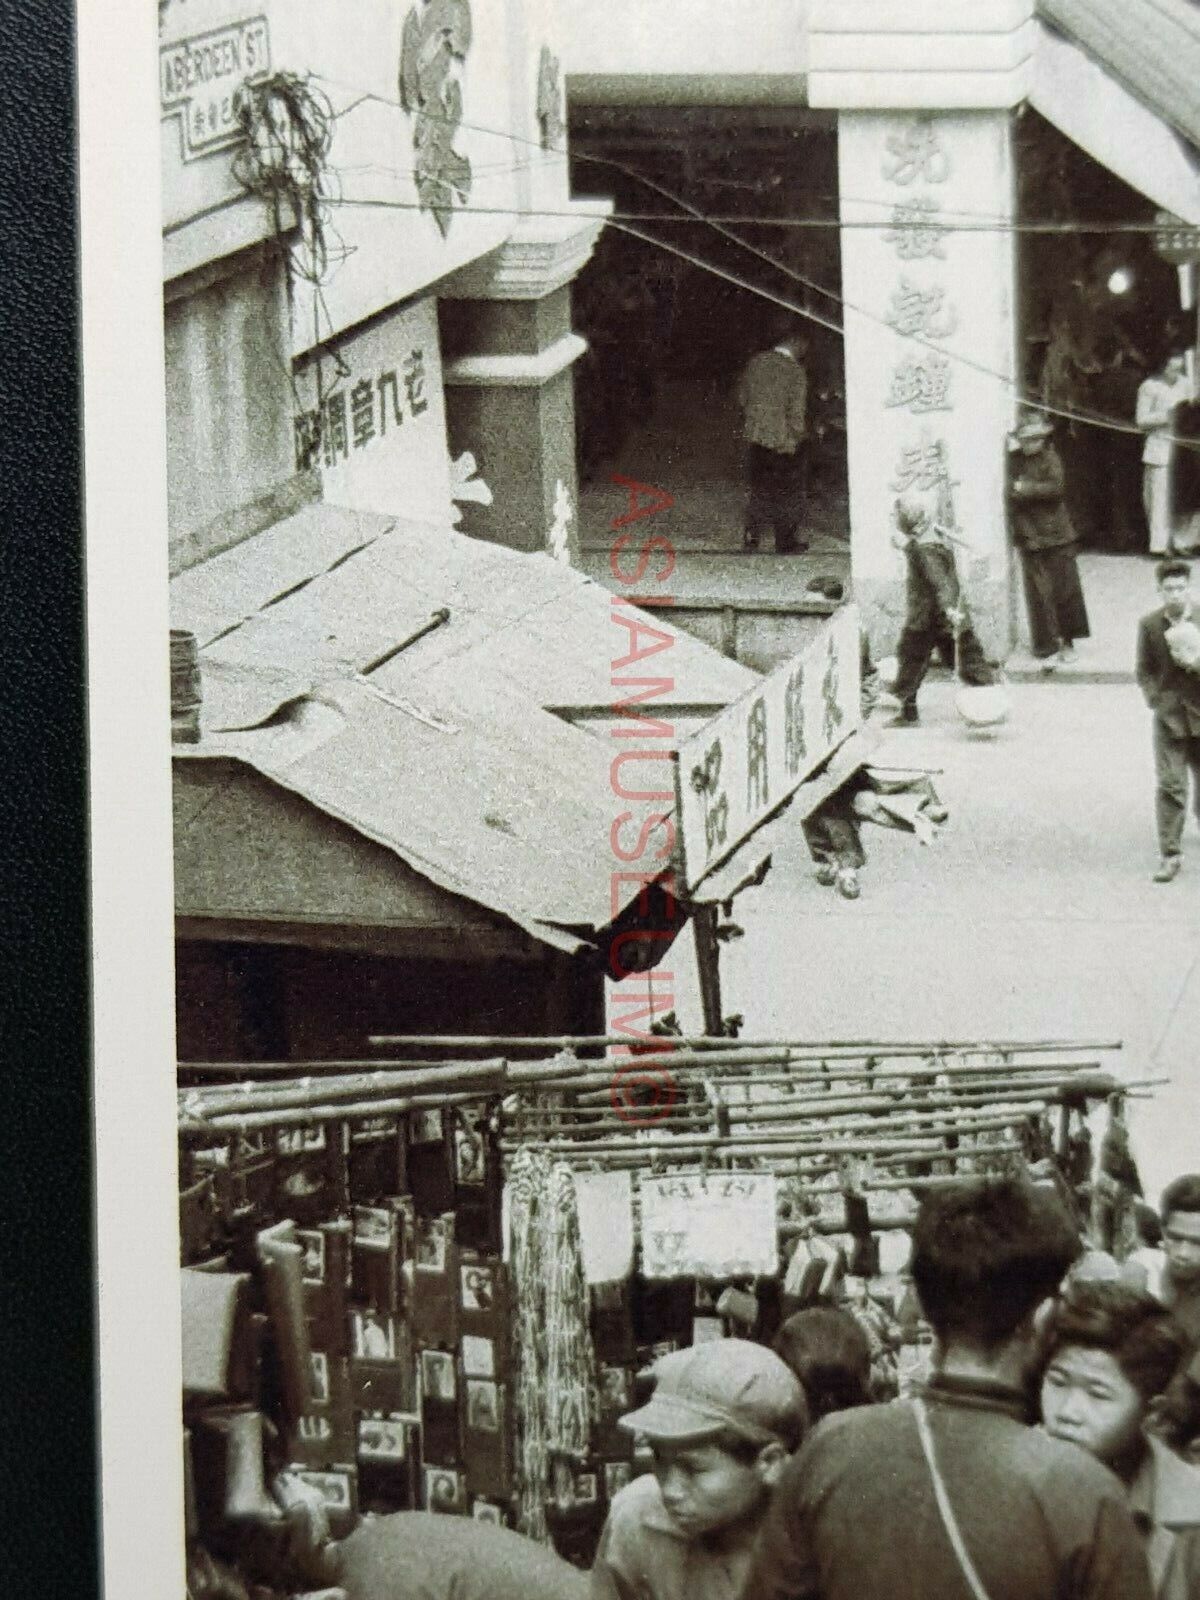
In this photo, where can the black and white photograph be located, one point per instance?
(373, 1226)
(382, 1438)
(432, 1249)
(478, 1356)
(445, 1490)
(477, 1288)
(319, 1380)
(312, 1242)
(661, 586)
(438, 1381)
(374, 1335)
(483, 1406)
(486, 1511)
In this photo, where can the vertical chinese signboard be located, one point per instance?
(927, 275)
(372, 419)
(740, 767)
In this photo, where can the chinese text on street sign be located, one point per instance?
(199, 78)
(740, 767)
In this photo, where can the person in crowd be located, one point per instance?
(721, 1423)
(951, 1493)
(1146, 1264)
(424, 1555)
(1168, 674)
(935, 606)
(1043, 533)
(773, 396)
(828, 1351)
(1179, 1210)
(1113, 1353)
(1157, 399)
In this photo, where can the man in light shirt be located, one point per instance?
(1157, 399)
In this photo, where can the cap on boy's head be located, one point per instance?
(725, 1385)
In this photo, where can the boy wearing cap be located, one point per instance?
(722, 1421)
(1042, 531)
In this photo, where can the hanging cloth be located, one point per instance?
(605, 1225)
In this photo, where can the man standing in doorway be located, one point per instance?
(1168, 674)
(952, 1493)
(1157, 399)
(773, 395)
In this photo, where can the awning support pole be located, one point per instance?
(708, 964)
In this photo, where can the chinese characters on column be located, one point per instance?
(919, 310)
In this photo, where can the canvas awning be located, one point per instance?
(1118, 78)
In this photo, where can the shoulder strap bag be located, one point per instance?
(945, 1509)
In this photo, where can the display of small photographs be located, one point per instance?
(478, 1356)
(427, 1127)
(616, 1389)
(431, 1251)
(445, 1489)
(319, 1364)
(333, 1487)
(382, 1438)
(373, 1226)
(587, 1489)
(300, 1141)
(438, 1381)
(616, 1475)
(468, 1156)
(312, 1266)
(374, 1335)
(485, 1511)
(478, 1288)
(483, 1405)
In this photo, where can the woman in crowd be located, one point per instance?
(1114, 1350)
(829, 1353)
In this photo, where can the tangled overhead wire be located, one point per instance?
(287, 129)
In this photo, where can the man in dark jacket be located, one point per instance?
(953, 1494)
(1042, 531)
(773, 395)
(1168, 674)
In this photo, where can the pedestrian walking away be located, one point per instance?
(952, 1494)
(934, 607)
(1157, 399)
(1168, 674)
(1043, 533)
(773, 395)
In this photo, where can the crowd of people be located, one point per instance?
(1047, 1452)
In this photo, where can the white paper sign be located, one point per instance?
(720, 1226)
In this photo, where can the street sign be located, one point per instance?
(199, 78)
(740, 767)
(1175, 240)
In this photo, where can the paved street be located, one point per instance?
(1033, 915)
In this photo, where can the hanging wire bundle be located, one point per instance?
(287, 128)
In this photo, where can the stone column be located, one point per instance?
(509, 351)
(927, 197)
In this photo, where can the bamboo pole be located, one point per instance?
(707, 1042)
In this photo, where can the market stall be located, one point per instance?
(433, 1280)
